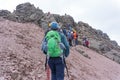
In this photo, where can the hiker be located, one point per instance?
(70, 37)
(75, 38)
(64, 31)
(56, 51)
(85, 41)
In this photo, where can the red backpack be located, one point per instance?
(87, 42)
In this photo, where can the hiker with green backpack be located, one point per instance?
(56, 48)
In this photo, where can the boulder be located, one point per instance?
(4, 13)
(28, 13)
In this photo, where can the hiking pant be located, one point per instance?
(75, 42)
(70, 42)
(57, 68)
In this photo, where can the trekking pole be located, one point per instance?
(48, 73)
(47, 69)
(66, 66)
(66, 69)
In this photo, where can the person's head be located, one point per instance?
(54, 25)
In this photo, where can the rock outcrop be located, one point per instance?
(28, 13)
(99, 41)
(4, 13)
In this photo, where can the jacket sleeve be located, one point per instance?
(65, 42)
(44, 46)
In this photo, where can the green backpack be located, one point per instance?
(53, 44)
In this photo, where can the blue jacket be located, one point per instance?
(65, 42)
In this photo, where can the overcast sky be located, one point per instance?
(100, 14)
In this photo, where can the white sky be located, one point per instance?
(100, 14)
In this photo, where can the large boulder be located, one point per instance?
(8, 15)
(28, 13)
(4, 13)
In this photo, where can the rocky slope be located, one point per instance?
(99, 41)
(22, 59)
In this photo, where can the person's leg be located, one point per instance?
(53, 69)
(71, 42)
(60, 69)
(76, 41)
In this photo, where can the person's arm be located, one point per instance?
(65, 42)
